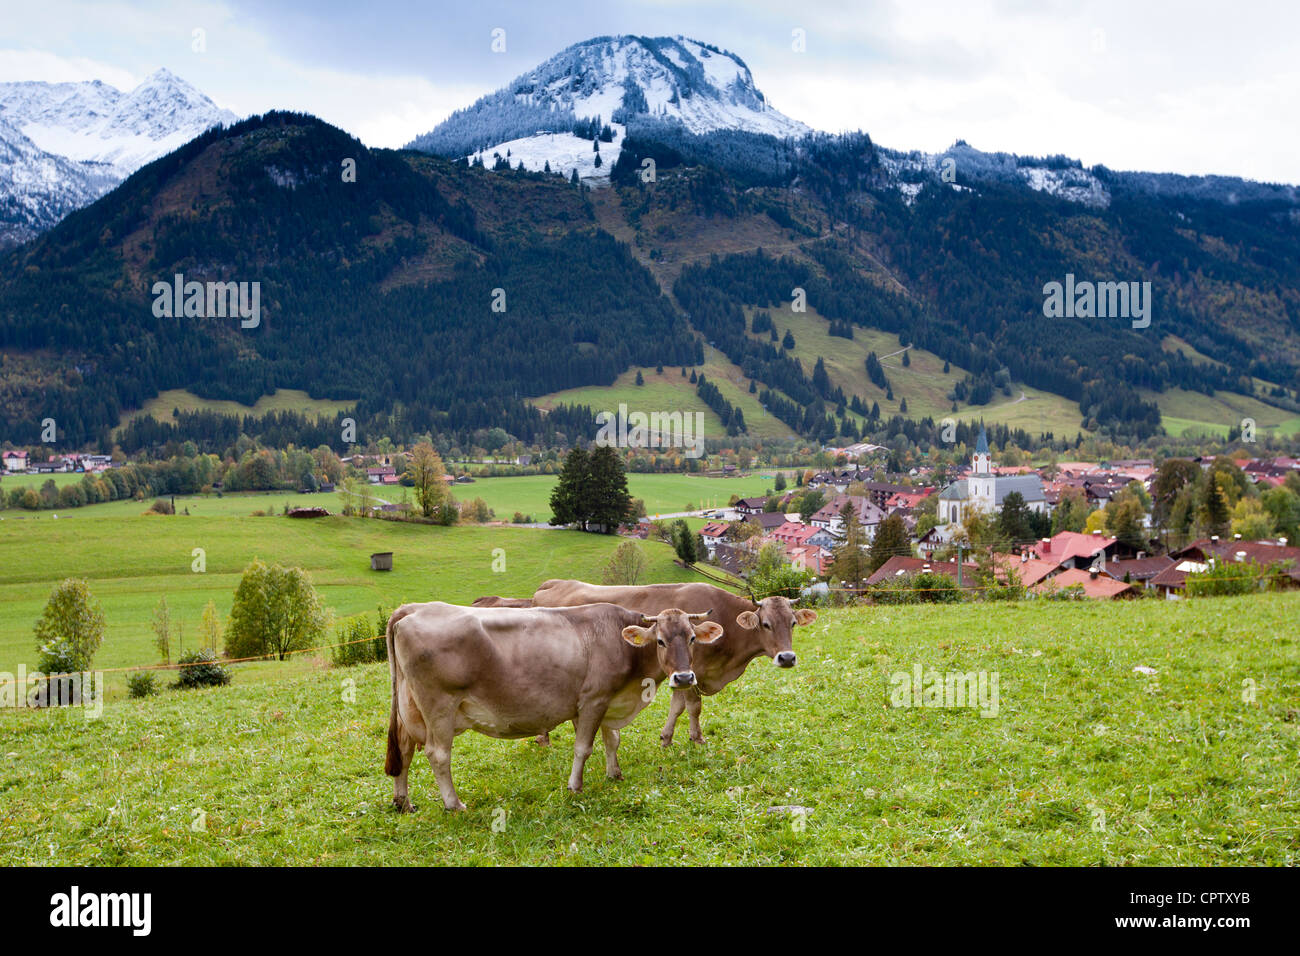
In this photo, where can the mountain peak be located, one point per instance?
(620, 79)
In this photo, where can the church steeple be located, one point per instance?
(980, 460)
(982, 444)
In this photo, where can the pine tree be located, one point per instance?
(787, 343)
(891, 539)
(907, 359)
(609, 502)
(1214, 509)
(640, 379)
(851, 565)
(570, 493)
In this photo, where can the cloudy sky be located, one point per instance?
(1186, 87)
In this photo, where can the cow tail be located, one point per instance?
(393, 762)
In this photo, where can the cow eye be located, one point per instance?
(692, 638)
(661, 642)
(767, 625)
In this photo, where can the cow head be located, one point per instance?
(675, 634)
(774, 620)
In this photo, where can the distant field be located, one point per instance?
(531, 494)
(282, 400)
(131, 561)
(670, 392)
(1086, 763)
(1184, 411)
(922, 383)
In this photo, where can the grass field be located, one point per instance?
(531, 494)
(922, 383)
(130, 562)
(669, 392)
(1185, 412)
(1086, 762)
(165, 403)
(528, 494)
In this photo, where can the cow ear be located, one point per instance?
(708, 632)
(805, 615)
(747, 619)
(636, 636)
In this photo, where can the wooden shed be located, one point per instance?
(381, 561)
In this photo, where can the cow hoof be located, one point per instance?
(665, 741)
(403, 805)
(618, 775)
(542, 740)
(454, 807)
(697, 740)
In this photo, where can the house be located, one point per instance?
(1266, 553)
(793, 534)
(14, 461)
(984, 490)
(376, 474)
(829, 515)
(712, 534)
(822, 538)
(1028, 570)
(750, 506)
(1172, 581)
(767, 520)
(936, 539)
(809, 558)
(1070, 549)
(900, 565)
(1140, 570)
(1094, 584)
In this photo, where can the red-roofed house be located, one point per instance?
(15, 460)
(1070, 549)
(1095, 585)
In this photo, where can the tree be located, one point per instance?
(570, 492)
(1171, 477)
(684, 542)
(1013, 519)
(1071, 512)
(626, 564)
(787, 343)
(852, 564)
(640, 379)
(780, 483)
(1124, 521)
(276, 610)
(1214, 507)
(608, 502)
(210, 628)
(426, 473)
(162, 630)
(772, 574)
(891, 539)
(70, 629)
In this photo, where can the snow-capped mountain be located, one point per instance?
(62, 145)
(620, 80)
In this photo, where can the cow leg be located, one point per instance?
(675, 707)
(438, 750)
(584, 741)
(401, 799)
(610, 737)
(693, 705)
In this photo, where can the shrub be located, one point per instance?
(200, 669)
(142, 684)
(932, 588)
(162, 507)
(276, 610)
(355, 642)
(1225, 577)
(70, 629)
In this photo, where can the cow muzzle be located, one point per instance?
(785, 659)
(682, 679)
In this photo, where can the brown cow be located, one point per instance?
(494, 601)
(751, 629)
(517, 672)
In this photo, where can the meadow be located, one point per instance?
(1087, 762)
(130, 562)
(527, 494)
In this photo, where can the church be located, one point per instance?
(985, 491)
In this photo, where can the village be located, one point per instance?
(937, 521)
